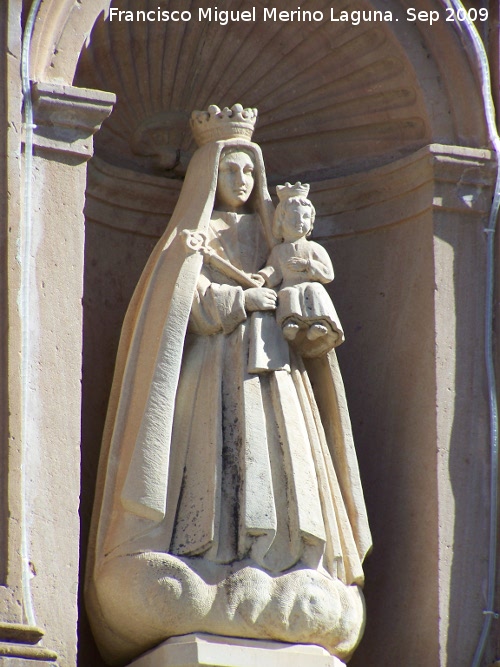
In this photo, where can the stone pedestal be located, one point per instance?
(201, 650)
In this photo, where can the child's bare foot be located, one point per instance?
(316, 331)
(290, 330)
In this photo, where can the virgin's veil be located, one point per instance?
(134, 461)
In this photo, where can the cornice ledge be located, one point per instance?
(66, 117)
(27, 653)
(448, 160)
(18, 640)
(433, 179)
(463, 179)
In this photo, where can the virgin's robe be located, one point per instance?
(254, 475)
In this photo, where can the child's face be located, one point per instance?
(297, 222)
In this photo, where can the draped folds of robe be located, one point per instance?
(200, 457)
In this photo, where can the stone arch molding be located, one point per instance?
(61, 30)
(64, 27)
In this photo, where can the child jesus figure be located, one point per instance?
(300, 268)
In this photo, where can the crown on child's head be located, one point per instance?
(216, 125)
(287, 191)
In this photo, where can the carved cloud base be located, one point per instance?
(200, 650)
(165, 596)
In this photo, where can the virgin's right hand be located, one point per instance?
(260, 298)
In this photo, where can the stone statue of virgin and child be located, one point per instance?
(228, 498)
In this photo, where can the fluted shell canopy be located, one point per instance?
(333, 97)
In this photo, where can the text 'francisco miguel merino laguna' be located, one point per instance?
(268, 14)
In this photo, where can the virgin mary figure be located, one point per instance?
(228, 497)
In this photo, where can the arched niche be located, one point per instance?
(446, 69)
(386, 120)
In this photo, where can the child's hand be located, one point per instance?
(297, 264)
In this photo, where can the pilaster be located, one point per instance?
(44, 259)
(408, 243)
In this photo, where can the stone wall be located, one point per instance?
(402, 179)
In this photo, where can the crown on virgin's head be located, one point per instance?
(216, 125)
(287, 191)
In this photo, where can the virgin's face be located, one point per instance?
(235, 181)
